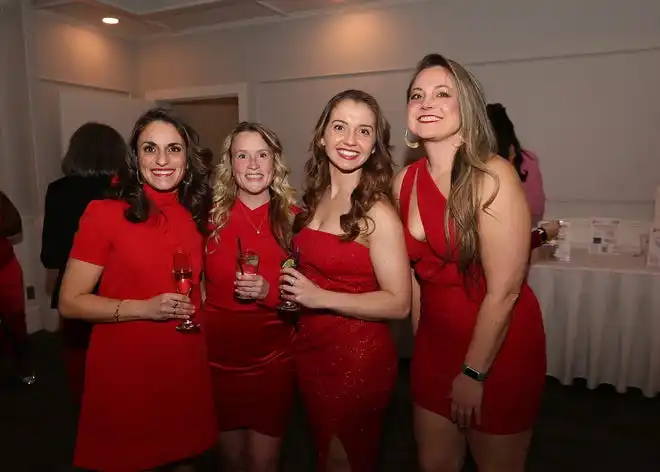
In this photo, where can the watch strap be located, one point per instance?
(474, 373)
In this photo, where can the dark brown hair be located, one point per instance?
(375, 180)
(194, 192)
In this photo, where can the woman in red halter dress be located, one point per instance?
(147, 400)
(478, 368)
(353, 275)
(249, 342)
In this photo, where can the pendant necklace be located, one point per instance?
(247, 217)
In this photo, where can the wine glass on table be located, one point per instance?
(290, 262)
(184, 284)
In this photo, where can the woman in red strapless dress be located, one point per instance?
(353, 275)
(147, 400)
(478, 368)
(249, 343)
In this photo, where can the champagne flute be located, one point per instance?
(291, 261)
(184, 284)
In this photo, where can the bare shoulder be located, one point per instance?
(501, 178)
(384, 217)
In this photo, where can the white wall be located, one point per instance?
(495, 39)
(39, 57)
(564, 69)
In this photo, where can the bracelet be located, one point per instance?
(116, 314)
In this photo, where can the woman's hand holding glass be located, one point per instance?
(167, 306)
(298, 288)
(251, 286)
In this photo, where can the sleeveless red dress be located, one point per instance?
(346, 367)
(512, 392)
(147, 399)
(249, 345)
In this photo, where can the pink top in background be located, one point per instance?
(533, 185)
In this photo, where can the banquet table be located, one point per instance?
(602, 320)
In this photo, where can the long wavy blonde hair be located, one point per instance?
(477, 147)
(225, 189)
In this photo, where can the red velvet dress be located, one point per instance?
(346, 367)
(249, 345)
(147, 399)
(512, 392)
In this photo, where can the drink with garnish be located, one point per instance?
(247, 263)
(290, 262)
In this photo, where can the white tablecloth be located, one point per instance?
(602, 320)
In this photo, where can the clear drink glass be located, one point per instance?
(183, 280)
(247, 262)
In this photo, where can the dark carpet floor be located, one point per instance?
(578, 430)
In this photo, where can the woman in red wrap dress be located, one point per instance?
(249, 343)
(353, 276)
(478, 367)
(147, 400)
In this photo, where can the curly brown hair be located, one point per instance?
(375, 180)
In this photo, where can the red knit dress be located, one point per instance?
(147, 399)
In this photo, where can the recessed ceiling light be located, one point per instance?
(110, 20)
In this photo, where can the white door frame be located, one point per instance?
(237, 89)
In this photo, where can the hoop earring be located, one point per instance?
(409, 143)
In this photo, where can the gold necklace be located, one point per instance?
(249, 220)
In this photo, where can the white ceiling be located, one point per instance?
(142, 18)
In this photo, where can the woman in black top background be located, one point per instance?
(92, 160)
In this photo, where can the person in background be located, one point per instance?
(147, 401)
(523, 160)
(478, 323)
(353, 276)
(12, 291)
(249, 342)
(95, 153)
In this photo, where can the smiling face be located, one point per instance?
(433, 107)
(161, 156)
(252, 163)
(350, 135)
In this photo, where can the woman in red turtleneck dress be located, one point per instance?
(248, 343)
(147, 399)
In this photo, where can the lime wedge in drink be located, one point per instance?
(288, 263)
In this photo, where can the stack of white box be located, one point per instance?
(653, 252)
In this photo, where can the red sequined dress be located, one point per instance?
(512, 392)
(346, 367)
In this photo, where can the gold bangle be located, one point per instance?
(116, 314)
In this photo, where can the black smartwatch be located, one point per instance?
(474, 373)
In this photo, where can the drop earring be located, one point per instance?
(409, 143)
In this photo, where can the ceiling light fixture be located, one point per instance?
(110, 20)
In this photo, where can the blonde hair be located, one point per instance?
(477, 147)
(225, 190)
